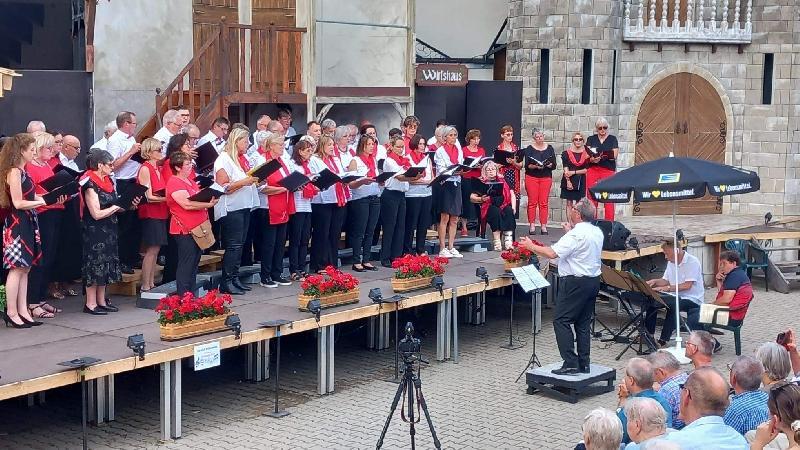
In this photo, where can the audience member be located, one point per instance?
(647, 422)
(602, 430)
(704, 399)
(748, 406)
(668, 374)
(776, 361)
(700, 348)
(638, 383)
(782, 430)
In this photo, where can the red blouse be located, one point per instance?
(153, 210)
(183, 220)
(479, 153)
(166, 172)
(39, 174)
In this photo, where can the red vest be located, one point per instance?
(153, 210)
(281, 206)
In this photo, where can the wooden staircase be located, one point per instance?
(237, 64)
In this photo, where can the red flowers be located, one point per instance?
(332, 282)
(178, 309)
(518, 253)
(413, 266)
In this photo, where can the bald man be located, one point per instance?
(69, 151)
(704, 399)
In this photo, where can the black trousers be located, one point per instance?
(393, 212)
(41, 273)
(272, 249)
(188, 259)
(362, 216)
(234, 230)
(574, 307)
(251, 251)
(501, 220)
(171, 260)
(67, 266)
(691, 308)
(418, 220)
(299, 234)
(129, 230)
(327, 220)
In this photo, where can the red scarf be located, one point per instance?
(369, 161)
(341, 194)
(452, 152)
(309, 190)
(417, 157)
(506, 198)
(402, 161)
(244, 163)
(105, 185)
(577, 163)
(478, 153)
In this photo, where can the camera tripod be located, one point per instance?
(410, 385)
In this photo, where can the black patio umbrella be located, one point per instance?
(670, 179)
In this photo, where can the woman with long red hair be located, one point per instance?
(300, 221)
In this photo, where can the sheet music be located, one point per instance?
(529, 278)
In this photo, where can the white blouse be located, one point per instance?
(244, 198)
(393, 184)
(301, 204)
(422, 190)
(442, 160)
(255, 159)
(317, 165)
(367, 189)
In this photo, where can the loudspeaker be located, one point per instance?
(615, 234)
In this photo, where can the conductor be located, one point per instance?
(578, 253)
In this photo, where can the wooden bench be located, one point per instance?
(209, 263)
(130, 282)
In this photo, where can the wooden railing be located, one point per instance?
(237, 64)
(688, 21)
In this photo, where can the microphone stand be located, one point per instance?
(511, 345)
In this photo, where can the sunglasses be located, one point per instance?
(577, 139)
(602, 128)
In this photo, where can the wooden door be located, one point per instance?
(274, 12)
(684, 115)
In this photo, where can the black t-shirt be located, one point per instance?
(540, 155)
(606, 148)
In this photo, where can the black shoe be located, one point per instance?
(10, 323)
(238, 283)
(387, 264)
(283, 281)
(161, 261)
(269, 283)
(226, 287)
(715, 332)
(32, 323)
(359, 269)
(584, 369)
(126, 269)
(717, 346)
(108, 307)
(97, 311)
(565, 371)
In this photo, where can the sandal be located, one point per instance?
(50, 308)
(44, 314)
(57, 295)
(71, 292)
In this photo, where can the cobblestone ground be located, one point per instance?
(474, 403)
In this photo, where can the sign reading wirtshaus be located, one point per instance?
(441, 75)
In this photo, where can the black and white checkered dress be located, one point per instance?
(22, 245)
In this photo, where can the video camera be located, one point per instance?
(409, 345)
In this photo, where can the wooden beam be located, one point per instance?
(365, 100)
(357, 91)
(777, 234)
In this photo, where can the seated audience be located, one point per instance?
(638, 383)
(647, 422)
(704, 399)
(601, 430)
(748, 406)
(700, 348)
(782, 430)
(668, 374)
(794, 355)
(777, 364)
(733, 287)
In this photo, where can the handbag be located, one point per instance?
(202, 234)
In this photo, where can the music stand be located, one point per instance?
(81, 364)
(276, 413)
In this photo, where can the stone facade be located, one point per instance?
(760, 137)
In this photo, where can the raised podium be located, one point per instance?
(570, 388)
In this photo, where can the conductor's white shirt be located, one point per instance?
(579, 251)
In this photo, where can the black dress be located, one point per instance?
(578, 181)
(100, 257)
(22, 244)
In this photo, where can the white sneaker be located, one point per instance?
(455, 253)
(445, 253)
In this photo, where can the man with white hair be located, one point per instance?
(638, 383)
(647, 422)
(328, 127)
(700, 348)
(602, 430)
(170, 125)
(668, 374)
(36, 126)
(102, 144)
(748, 408)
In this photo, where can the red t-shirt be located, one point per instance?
(183, 220)
(468, 153)
(166, 172)
(39, 174)
(153, 210)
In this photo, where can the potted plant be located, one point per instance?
(333, 288)
(415, 272)
(3, 298)
(183, 316)
(518, 256)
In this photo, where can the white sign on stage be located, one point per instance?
(206, 356)
(529, 278)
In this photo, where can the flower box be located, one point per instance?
(411, 284)
(329, 300)
(190, 328)
(518, 256)
(508, 265)
(333, 288)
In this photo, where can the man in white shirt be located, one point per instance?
(171, 125)
(69, 151)
(122, 146)
(217, 134)
(690, 291)
(578, 254)
(102, 144)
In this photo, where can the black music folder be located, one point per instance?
(73, 172)
(500, 156)
(262, 171)
(551, 160)
(293, 140)
(160, 193)
(133, 191)
(137, 157)
(204, 181)
(206, 155)
(493, 188)
(69, 189)
(59, 179)
(206, 194)
(326, 179)
(412, 172)
(351, 178)
(295, 181)
(473, 163)
(385, 176)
